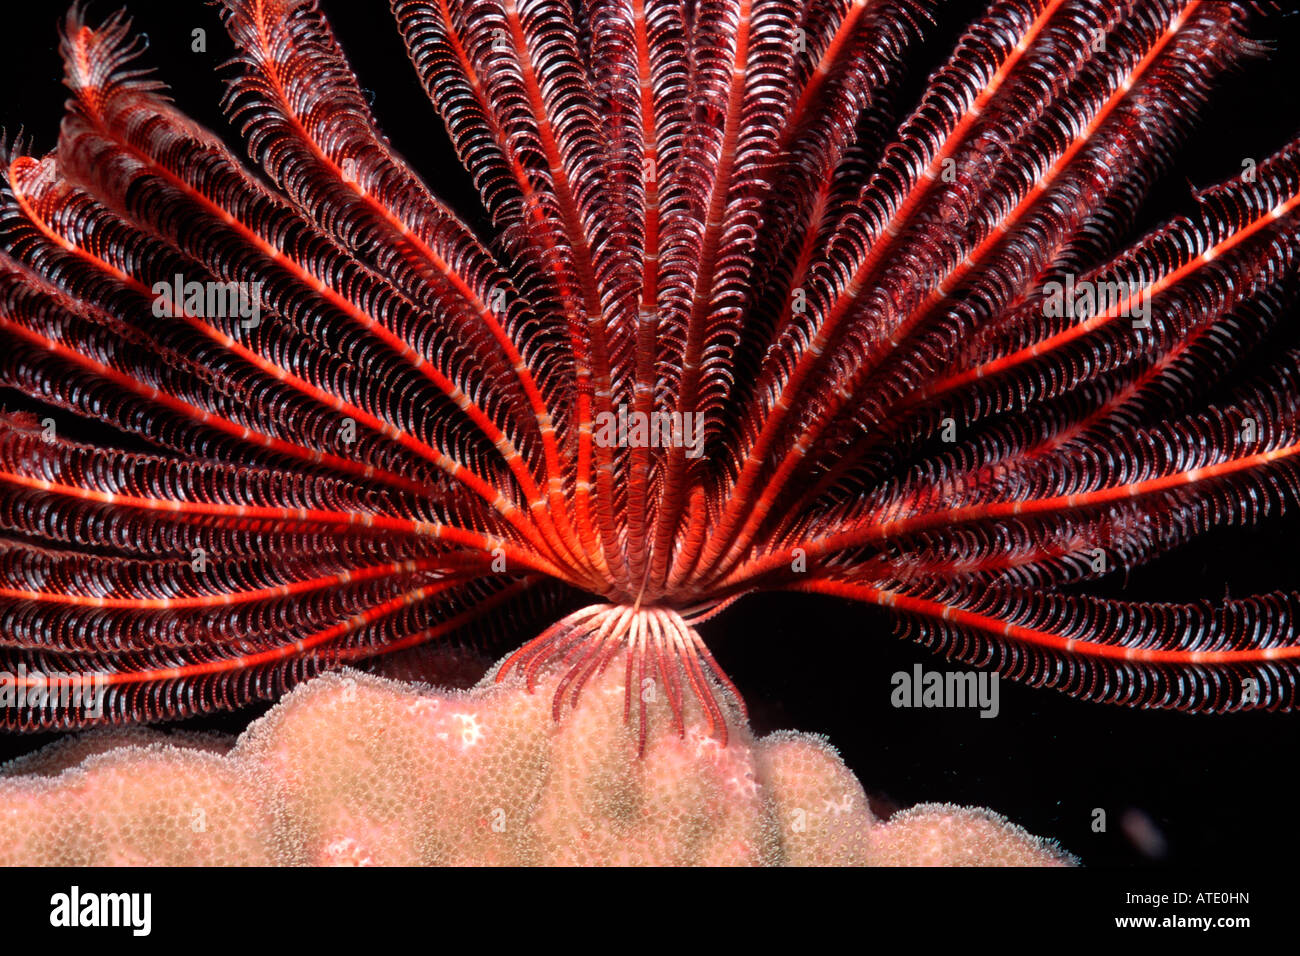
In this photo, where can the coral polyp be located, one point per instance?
(734, 327)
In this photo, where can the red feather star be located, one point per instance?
(734, 329)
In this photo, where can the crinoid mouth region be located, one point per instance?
(665, 655)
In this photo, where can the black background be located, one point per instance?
(1216, 788)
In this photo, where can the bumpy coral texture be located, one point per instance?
(353, 769)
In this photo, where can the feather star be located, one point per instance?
(735, 327)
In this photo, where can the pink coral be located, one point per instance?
(356, 769)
